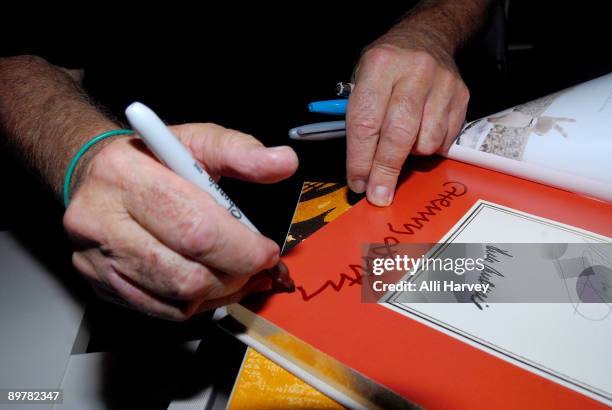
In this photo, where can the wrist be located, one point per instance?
(84, 160)
(421, 30)
(417, 38)
(439, 27)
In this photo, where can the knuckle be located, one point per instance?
(448, 80)
(363, 124)
(430, 139)
(147, 263)
(175, 315)
(362, 129)
(380, 55)
(232, 137)
(358, 169)
(466, 95)
(392, 159)
(75, 220)
(406, 104)
(400, 133)
(199, 235)
(72, 218)
(387, 167)
(262, 256)
(427, 147)
(221, 146)
(82, 265)
(433, 130)
(232, 144)
(194, 284)
(363, 118)
(424, 59)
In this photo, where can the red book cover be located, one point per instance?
(417, 361)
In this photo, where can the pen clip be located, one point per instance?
(319, 131)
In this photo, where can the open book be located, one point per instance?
(394, 353)
(563, 140)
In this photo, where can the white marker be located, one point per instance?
(169, 150)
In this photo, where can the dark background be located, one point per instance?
(254, 68)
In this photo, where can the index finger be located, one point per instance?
(365, 114)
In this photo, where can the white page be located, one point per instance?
(563, 140)
(568, 343)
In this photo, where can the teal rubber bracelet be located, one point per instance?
(81, 152)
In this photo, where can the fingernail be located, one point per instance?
(281, 280)
(264, 285)
(358, 186)
(380, 196)
(279, 148)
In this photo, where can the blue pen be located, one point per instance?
(333, 107)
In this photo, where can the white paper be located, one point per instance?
(563, 140)
(569, 343)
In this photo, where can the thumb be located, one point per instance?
(226, 152)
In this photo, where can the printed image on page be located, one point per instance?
(566, 342)
(563, 140)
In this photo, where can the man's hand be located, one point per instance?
(408, 96)
(405, 101)
(152, 239)
(145, 237)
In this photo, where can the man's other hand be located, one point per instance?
(408, 99)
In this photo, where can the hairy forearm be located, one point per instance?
(46, 116)
(438, 26)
